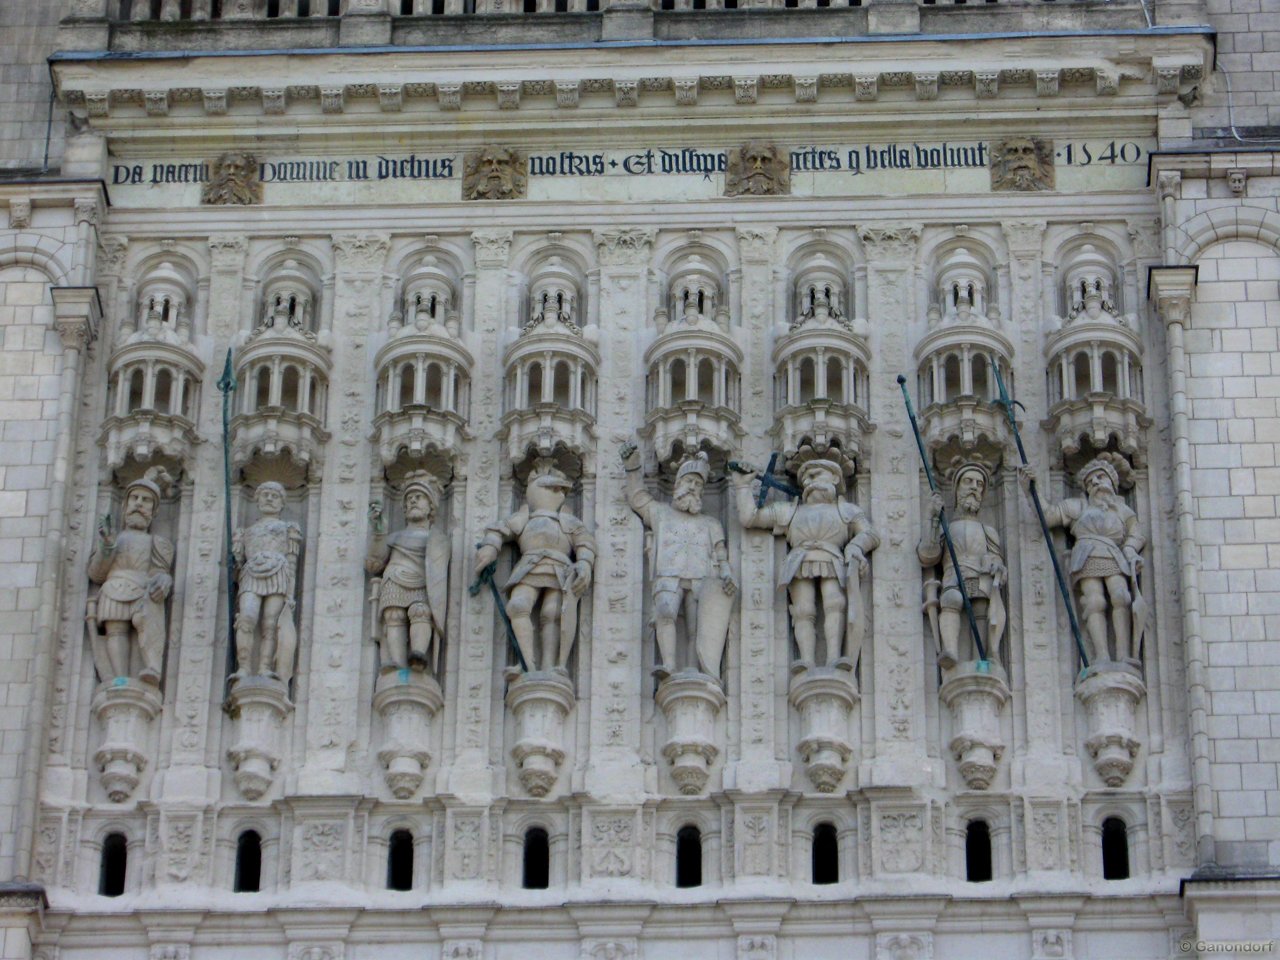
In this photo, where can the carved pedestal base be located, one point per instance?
(259, 706)
(690, 701)
(1110, 693)
(824, 697)
(407, 701)
(975, 692)
(125, 709)
(539, 702)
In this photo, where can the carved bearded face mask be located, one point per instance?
(1021, 162)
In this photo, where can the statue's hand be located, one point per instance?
(935, 506)
(1134, 558)
(375, 518)
(1026, 476)
(630, 456)
(106, 539)
(853, 555)
(727, 583)
(581, 578)
(486, 555)
(998, 572)
(158, 586)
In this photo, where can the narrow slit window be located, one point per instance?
(537, 859)
(689, 857)
(115, 865)
(248, 863)
(977, 852)
(1115, 849)
(400, 861)
(826, 854)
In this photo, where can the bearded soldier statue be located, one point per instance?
(829, 541)
(266, 556)
(1105, 562)
(412, 592)
(689, 564)
(133, 567)
(557, 555)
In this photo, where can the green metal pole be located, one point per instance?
(227, 386)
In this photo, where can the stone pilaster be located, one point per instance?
(475, 505)
(333, 707)
(617, 657)
(758, 762)
(895, 675)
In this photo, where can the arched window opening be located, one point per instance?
(537, 859)
(1135, 382)
(289, 388)
(248, 863)
(137, 379)
(781, 397)
(435, 386)
(533, 388)
(262, 389)
(1080, 376)
(164, 390)
(1110, 374)
(562, 386)
(115, 864)
(978, 370)
(166, 311)
(951, 379)
(689, 857)
(1115, 849)
(400, 861)
(835, 380)
(807, 387)
(826, 854)
(977, 852)
(313, 397)
(407, 376)
(678, 388)
(707, 380)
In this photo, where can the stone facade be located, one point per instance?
(417, 321)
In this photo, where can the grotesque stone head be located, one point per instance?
(1236, 180)
(494, 173)
(233, 180)
(758, 169)
(1022, 163)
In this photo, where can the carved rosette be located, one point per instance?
(1111, 693)
(124, 708)
(690, 701)
(975, 697)
(407, 701)
(824, 697)
(539, 702)
(258, 707)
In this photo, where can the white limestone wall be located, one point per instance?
(28, 32)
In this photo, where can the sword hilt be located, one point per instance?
(483, 577)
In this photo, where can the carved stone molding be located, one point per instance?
(891, 243)
(623, 248)
(493, 247)
(360, 253)
(610, 948)
(904, 946)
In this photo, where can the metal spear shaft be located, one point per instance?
(227, 386)
(946, 527)
(1005, 402)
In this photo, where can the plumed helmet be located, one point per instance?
(697, 464)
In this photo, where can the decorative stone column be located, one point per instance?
(258, 707)
(690, 701)
(539, 702)
(824, 697)
(975, 692)
(407, 701)
(1111, 693)
(125, 708)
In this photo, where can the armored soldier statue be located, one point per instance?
(133, 567)
(266, 556)
(412, 594)
(1105, 562)
(688, 562)
(981, 564)
(829, 540)
(557, 555)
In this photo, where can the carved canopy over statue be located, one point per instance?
(133, 567)
(412, 596)
(829, 540)
(688, 562)
(557, 556)
(266, 555)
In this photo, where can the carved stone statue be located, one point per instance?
(688, 561)
(266, 556)
(1022, 163)
(133, 567)
(1105, 562)
(557, 554)
(981, 563)
(494, 173)
(412, 597)
(233, 180)
(757, 169)
(829, 539)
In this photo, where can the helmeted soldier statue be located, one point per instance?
(266, 556)
(133, 567)
(413, 590)
(557, 555)
(688, 562)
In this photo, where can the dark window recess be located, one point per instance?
(977, 852)
(826, 854)
(400, 861)
(537, 859)
(248, 863)
(1115, 849)
(115, 864)
(689, 857)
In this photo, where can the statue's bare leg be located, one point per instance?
(118, 648)
(272, 610)
(689, 601)
(549, 617)
(246, 633)
(949, 626)
(666, 607)
(520, 611)
(394, 629)
(833, 607)
(1093, 606)
(151, 666)
(1121, 614)
(804, 620)
(419, 635)
(996, 619)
